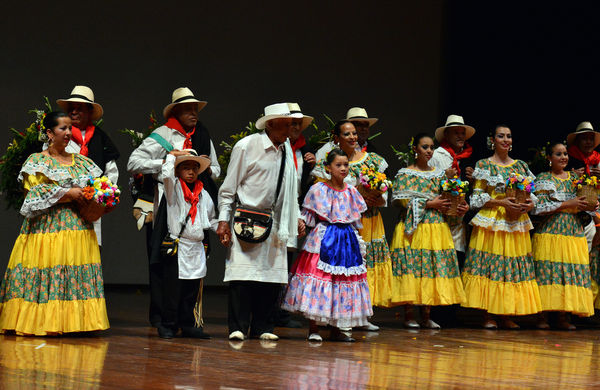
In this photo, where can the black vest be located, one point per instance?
(101, 149)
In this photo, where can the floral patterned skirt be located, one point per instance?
(53, 283)
(425, 266)
(337, 300)
(562, 265)
(499, 273)
(378, 259)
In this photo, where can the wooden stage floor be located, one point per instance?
(131, 356)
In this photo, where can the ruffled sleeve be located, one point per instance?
(546, 193)
(334, 206)
(407, 195)
(43, 192)
(483, 178)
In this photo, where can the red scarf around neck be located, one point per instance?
(300, 142)
(192, 197)
(173, 123)
(83, 142)
(592, 160)
(466, 153)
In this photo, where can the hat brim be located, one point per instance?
(439, 132)
(97, 110)
(169, 107)
(203, 161)
(571, 137)
(261, 122)
(371, 121)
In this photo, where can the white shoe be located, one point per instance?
(412, 324)
(315, 337)
(430, 324)
(346, 329)
(237, 335)
(370, 327)
(269, 336)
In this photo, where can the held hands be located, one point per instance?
(178, 153)
(462, 209)
(439, 204)
(373, 200)
(469, 173)
(310, 159)
(579, 203)
(224, 233)
(451, 172)
(301, 228)
(74, 194)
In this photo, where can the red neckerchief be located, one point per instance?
(592, 160)
(466, 153)
(300, 142)
(174, 124)
(83, 142)
(192, 197)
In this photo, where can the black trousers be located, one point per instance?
(178, 298)
(155, 281)
(251, 306)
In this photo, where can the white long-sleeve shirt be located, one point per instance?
(149, 156)
(252, 177)
(191, 257)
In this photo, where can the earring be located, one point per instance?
(510, 148)
(550, 163)
(416, 155)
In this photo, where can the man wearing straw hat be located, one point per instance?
(359, 117)
(88, 139)
(584, 160)
(261, 176)
(182, 132)
(454, 156)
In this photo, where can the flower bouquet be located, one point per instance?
(454, 190)
(588, 186)
(372, 182)
(519, 187)
(101, 196)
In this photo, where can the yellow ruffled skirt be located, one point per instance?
(562, 273)
(499, 274)
(425, 266)
(53, 283)
(378, 260)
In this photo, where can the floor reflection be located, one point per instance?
(61, 363)
(490, 363)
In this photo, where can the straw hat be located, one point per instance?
(359, 114)
(82, 94)
(454, 121)
(193, 156)
(182, 95)
(279, 110)
(295, 110)
(582, 128)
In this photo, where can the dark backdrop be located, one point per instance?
(530, 64)
(240, 56)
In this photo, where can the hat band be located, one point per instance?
(455, 124)
(358, 117)
(183, 98)
(585, 129)
(82, 97)
(295, 112)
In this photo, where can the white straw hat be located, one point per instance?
(182, 95)
(582, 128)
(454, 121)
(295, 112)
(82, 94)
(193, 156)
(274, 111)
(356, 114)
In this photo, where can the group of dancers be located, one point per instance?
(481, 255)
